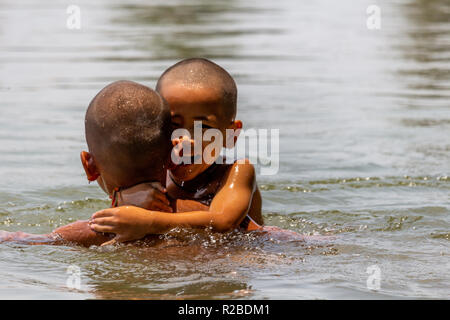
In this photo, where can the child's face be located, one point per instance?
(196, 104)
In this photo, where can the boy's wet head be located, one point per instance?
(199, 90)
(128, 132)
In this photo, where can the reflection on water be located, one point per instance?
(428, 49)
(364, 151)
(182, 28)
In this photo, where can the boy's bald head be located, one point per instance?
(199, 73)
(128, 130)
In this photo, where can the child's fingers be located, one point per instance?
(110, 242)
(117, 239)
(99, 228)
(104, 213)
(106, 221)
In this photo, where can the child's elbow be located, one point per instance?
(222, 223)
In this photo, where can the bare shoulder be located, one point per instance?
(242, 178)
(241, 171)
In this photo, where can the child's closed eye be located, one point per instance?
(176, 125)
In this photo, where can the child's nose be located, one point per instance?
(183, 143)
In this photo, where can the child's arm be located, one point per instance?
(77, 232)
(228, 208)
(182, 205)
(28, 238)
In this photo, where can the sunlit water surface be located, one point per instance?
(364, 125)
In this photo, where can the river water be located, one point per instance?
(364, 119)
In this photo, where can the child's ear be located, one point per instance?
(236, 126)
(89, 166)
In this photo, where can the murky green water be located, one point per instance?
(364, 123)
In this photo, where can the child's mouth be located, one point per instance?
(195, 159)
(189, 161)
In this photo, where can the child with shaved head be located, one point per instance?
(128, 128)
(128, 135)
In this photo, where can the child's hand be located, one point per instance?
(150, 196)
(128, 223)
